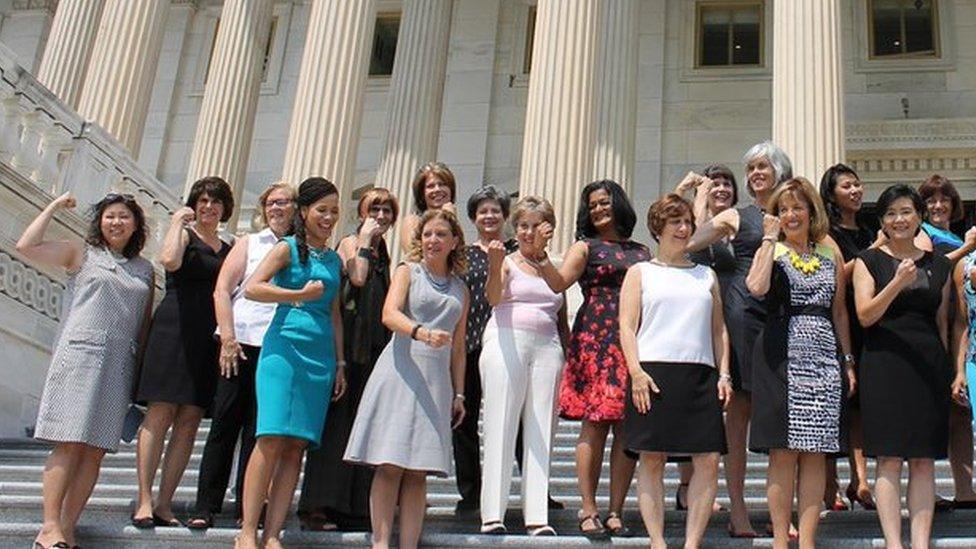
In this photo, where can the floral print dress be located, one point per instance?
(594, 384)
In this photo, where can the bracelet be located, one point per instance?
(724, 377)
(772, 239)
(365, 253)
(413, 333)
(460, 396)
(848, 359)
(340, 364)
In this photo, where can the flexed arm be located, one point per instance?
(60, 253)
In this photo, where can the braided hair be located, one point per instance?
(310, 191)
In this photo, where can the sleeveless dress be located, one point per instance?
(180, 366)
(404, 417)
(674, 346)
(89, 384)
(796, 375)
(594, 383)
(969, 293)
(745, 315)
(905, 370)
(298, 359)
(339, 488)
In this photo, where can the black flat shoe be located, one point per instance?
(143, 523)
(619, 532)
(200, 522)
(171, 523)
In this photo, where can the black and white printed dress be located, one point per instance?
(796, 377)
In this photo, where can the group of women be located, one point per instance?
(784, 327)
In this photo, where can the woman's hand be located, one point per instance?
(450, 208)
(960, 390)
(339, 387)
(183, 216)
(543, 234)
(643, 390)
(496, 254)
(725, 391)
(435, 338)
(313, 290)
(370, 230)
(230, 351)
(457, 412)
(905, 274)
(63, 202)
(771, 227)
(851, 380)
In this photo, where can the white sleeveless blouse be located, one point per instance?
(676, 314)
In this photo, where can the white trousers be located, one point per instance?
(520, 373)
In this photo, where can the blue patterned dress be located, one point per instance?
(796, 377)
(298, 358)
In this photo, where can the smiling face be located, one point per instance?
(760, 175)
(794, 217)
(118, 224)
(601, 210)
(939, 208)
(437, 240)
(436, 192)
(382, 213)
(525, 230)
(676, 231)
(489, 218)
(208, 210)
(279, 208)
(848, 193)
(721, 195)
(901, 221)
(321, 217)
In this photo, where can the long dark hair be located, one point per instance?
(624, 216)
(828, 183)
(94, 237)
(310, 191)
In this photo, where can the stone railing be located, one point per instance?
(48, 143)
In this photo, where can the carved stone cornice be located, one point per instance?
(924, 133)
(49, 5)
(30, 287)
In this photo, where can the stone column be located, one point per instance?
(328, 107)
(557, 149)
(616, 103)
(122, 68)
(808, 103)
(416, 89)
(69, 46)
(226, 123)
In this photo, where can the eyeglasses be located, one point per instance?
(281, 203)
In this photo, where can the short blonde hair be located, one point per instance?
(262, 220)
(457, 260)
(801, 190)
(535, 204)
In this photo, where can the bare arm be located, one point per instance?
(356, 266)
(147, 317)
(720, 335)
(230, 277)
(339, 387)
(396, 299)
(59, 253)
(497, 273)
(259, 286)
(968, 245)
(569, 272)
(643, 387)
(459, 359)
(842, 321)
(942, 315)
(723, 225)
(960, 331)
(174, 243)
(871, 306)
(562, 325)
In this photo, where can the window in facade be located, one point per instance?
(729, 34)
(903, 28)
(384, 44)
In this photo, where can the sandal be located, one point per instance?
(494, 528)
(142, 523)
(200, 522)
(544, 530)
(741, 535)
(619, 532)
(597, 532)
(169, 523)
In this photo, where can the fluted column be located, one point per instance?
(557, 149)
(616, 103)
(328, 107)
(69, 47)
(226, 123)
(808, 103)
(119, 83)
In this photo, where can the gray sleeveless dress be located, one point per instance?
(404, 417)
(89, 383)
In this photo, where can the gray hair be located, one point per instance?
(782, 167)
(488, 192)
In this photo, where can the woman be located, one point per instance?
(520, 369)
(594, 384)
(403, 426)
(301, 361)
(944, 207)
(965, 333)
(901, 294)
(672, 333)
(842, 192)
(89, 385)
(715, 191)
(433, 188)
(241, 325)
(488, 210)
(179, 373)
(336, 494)
(766, 167)
(796, 375)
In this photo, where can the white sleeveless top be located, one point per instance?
(676, 314)
(251, 318)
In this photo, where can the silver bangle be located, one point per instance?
(460, 396)
(724, 377)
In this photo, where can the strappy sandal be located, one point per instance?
(619, 532)
(200, 522)
(494, 528)
(597, 532)
(544, 530)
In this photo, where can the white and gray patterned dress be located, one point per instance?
(797, 390)
(89, 384)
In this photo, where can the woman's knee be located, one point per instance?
(921, 466)
(160, 415)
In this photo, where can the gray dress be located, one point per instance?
(404, 417)
(89, 384)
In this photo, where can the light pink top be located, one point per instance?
(527, 304)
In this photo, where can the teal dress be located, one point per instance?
(298, 358)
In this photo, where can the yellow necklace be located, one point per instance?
(805, 266)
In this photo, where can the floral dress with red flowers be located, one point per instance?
(594, 383)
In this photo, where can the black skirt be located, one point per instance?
(685, 417)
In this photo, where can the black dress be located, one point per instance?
(180, 365)
(337, 488)
(905, 370)
(745, 315)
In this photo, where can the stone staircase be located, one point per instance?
(106, 521)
